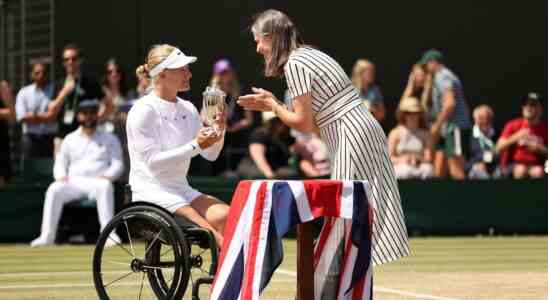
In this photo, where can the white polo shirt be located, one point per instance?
(161, 143)
(81, 155)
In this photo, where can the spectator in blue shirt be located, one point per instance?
(31, 108)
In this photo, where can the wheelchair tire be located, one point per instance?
(158, 234)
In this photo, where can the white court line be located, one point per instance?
(50, 274)
(410, 294)
(381, 289)
(280, 271)
(60, 285)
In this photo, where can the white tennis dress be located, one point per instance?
(161, 142)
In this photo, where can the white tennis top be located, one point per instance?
(161, 138)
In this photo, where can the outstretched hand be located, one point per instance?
(260, 100)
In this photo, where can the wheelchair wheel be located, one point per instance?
(141, 254)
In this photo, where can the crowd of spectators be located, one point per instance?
(79, 123)
(437, 134)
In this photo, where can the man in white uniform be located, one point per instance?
(87, 164)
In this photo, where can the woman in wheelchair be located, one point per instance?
(164, 133)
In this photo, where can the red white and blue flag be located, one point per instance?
(262, 212)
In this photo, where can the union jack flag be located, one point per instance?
(262, 212)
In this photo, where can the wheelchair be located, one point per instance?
(145, 252)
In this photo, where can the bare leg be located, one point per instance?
(456, 167)
(519, 171)
(208, 212)
(536, 172)
(440, 167)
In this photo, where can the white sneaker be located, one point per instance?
(112, 240)
(41, 242)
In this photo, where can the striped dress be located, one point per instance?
(357, 148)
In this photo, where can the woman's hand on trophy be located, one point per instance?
(261, 100)
(207, 136)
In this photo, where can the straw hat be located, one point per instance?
(410, 105)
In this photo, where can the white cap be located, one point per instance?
(176, 59)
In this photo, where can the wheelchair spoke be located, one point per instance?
(191, 278)
(118, 279)
(118, 263)
(129, 236)
(141, 289)
(203, 271)
(158, 267)
(148, 290)
(166, 252)
(153, 241)
(121, 246)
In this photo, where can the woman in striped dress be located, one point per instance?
(325, 100)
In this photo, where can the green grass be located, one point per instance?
(453, 268)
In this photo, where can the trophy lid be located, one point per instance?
(214, 91)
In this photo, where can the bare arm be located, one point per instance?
(393, 140)
(308, 168)
(107, 107)
(7, 113)
(506, 142)
(408, 92)
(55, 106)
(300, 118)
(257, 153)
(378, 110)
(428, 149)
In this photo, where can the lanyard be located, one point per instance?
(485, 142)
(75, 95)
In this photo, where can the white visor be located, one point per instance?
(176, 59)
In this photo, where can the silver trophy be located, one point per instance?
(213, 104)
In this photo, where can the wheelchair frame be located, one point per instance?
(175, 231)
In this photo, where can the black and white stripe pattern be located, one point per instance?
(357, 144)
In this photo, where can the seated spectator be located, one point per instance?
(363, 76)
(525, 141)
(314, 158)
(115, 88)
(239, 120)
(269, 151)
(410, 144)
(7, 115)
(31, 107)
(482, 161)
(86, 166)
(419, 85)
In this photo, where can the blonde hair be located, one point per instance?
(481, 107)
(359, 68)
(155, 56)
